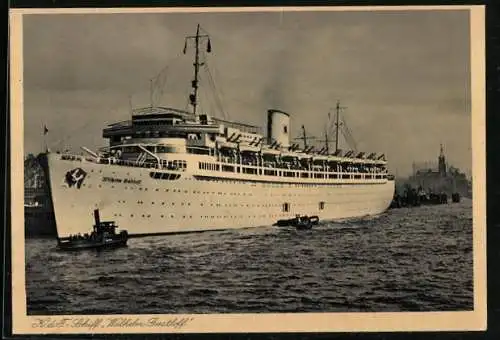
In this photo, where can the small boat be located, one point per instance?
(299, 222)
(103, 236)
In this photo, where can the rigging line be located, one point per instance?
(70, 135)
(349, 140)
(212, 101)
(217, 99)
(215, 95)
(331, 128)
(160, 77)
(206, 100)
(352, 140)
(222, 95)
(214, 88)
(160, 90)
(159, 81)
(203, 105)
(347, 128)
(218, 91)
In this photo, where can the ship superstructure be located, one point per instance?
(168, 170)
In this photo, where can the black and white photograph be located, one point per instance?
(272, 162)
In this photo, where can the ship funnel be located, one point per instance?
(278, 128)
(97, 217)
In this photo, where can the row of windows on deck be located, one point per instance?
(253, 184)
(285, 206)
(204, 216)
(164, 175)
(220, 193)
(289, 174)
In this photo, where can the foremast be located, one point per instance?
(198, 39)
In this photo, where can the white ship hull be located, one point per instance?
(143, 205)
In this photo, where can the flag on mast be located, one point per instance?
(45, 130)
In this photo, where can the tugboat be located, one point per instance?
(103, 236)
(299, 222)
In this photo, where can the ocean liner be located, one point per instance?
(168, 170)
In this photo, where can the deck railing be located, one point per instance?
(276, 170)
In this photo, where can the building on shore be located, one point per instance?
(440, 178)
(38, 213)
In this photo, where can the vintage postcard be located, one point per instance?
(248, 169)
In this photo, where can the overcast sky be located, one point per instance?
(403, 76)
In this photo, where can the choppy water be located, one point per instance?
(416, 259)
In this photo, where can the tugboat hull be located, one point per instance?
(300, 222)
(81, 245)
(119, 241)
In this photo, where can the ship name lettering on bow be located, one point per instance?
(121, 180)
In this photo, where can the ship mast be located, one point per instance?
(305, 137)
(337, 125)
(198, 38)
(327, 142)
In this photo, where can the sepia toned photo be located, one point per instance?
(249, 170)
